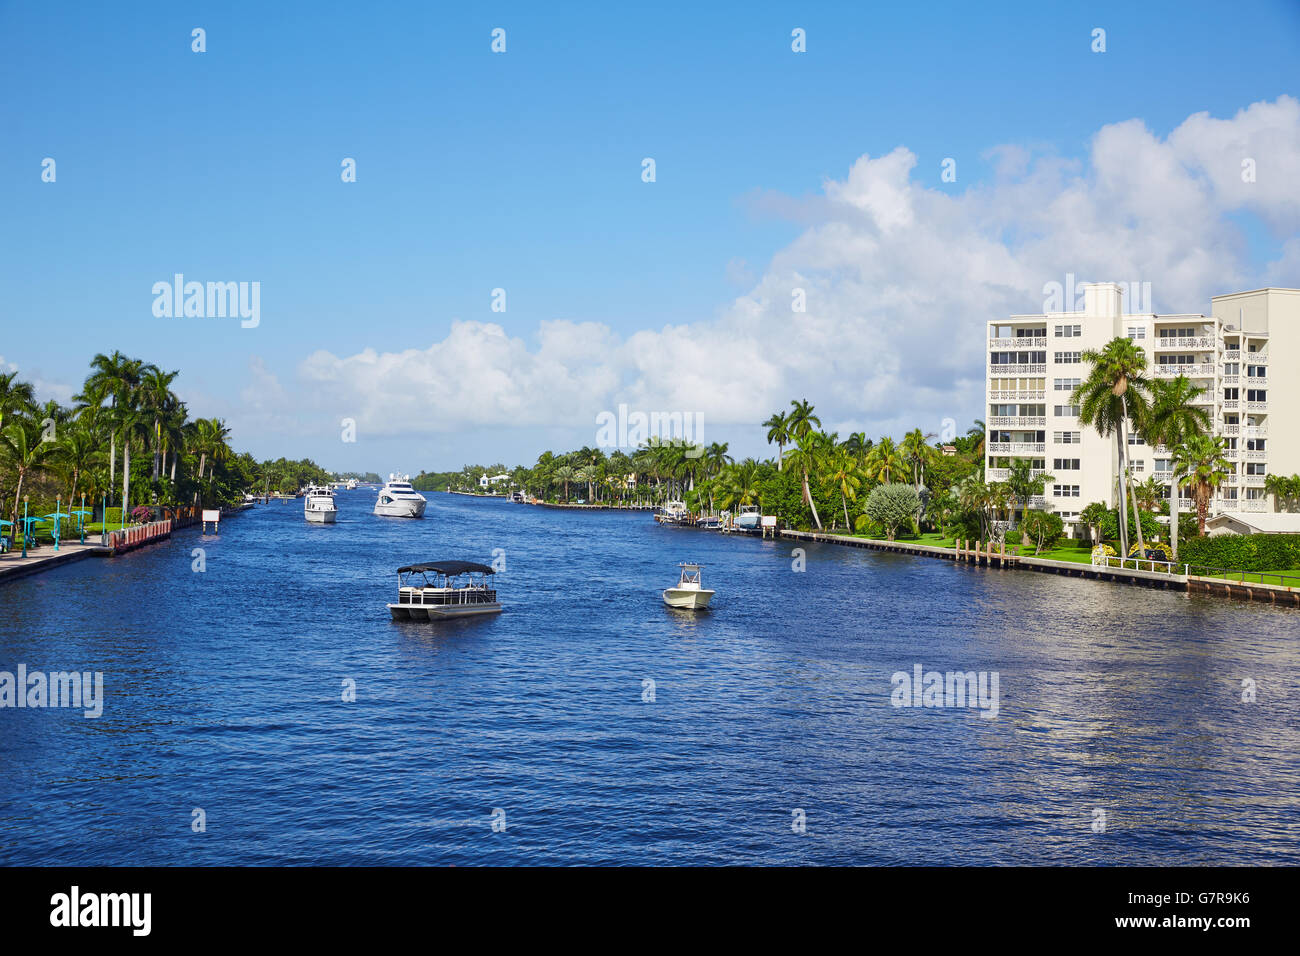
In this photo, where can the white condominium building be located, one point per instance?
(1245, 355)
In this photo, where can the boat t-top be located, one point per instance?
(689, 593)
(431, 591)
(318, 504)
(747, 518)
(397, 499)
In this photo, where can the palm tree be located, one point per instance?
(976, 434)
(807, 456)
(565, 474)
(113, 377)
(1023, 484)
(1200, 462)
(802, 420)
(77, 453)
(884, 461)
(22, 448)
(738, 484)
(156, 398)
(1170, 420)
(845, 477)
(1112, 394)
(778, 433)
(15, 396)
(916, 450)
(1280, 487)
(857, 445)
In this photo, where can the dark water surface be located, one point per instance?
(224, 692)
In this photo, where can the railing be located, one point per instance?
(1193, 371)
(1256, 431)
(1286, 579)
(1229, 404)
(1254, 406)
(1016, 448)
(1012, 421)
(1196, 342)
(1256, 455)
(1019, 342)
(1001, 474)
(1250, 504)
(1017, 369)
(1230, 429)
(995, 396)
(470, 595)
(1255, 381)
(1232, 355)
(1134, 564)
(1253, 480)
(1231, 379)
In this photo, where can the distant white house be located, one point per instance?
(486, 481)
(1250, 523)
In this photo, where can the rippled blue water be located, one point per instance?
(224, 692)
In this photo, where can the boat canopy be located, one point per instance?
(450, 568)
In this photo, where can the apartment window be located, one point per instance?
(1065, 384)
(1137, 332)
(1066, 411)
(1255, 444)
(1065, 464)
(1139, 466)
(1067, 438)
(1068, 331)
(1176, 360)
(1065, 491)
(1254, 468)
(1256, 395)
(1069, 358)
(1256, 371)
(1177, 333)
(1135, 439)
(1164, 466)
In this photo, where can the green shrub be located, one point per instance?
(1045, 528)
(1243, 552)
(113, 517)
(891, 506)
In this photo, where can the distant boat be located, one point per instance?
(672, 512)
(747, 518)
(689, 594)
(422, 599)
(319, 505)
(397, 499)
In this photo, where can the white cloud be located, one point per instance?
(900, 277)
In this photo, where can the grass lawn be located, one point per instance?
(1289, 578)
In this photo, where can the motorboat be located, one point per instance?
(671, 512)
(318, 504)
(432, 591)
(689, 594)
(517, 497)
(397, 499)
(352, 484)
(747, 517)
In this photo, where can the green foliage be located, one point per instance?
(1151, 528)
(891, 506)
(1044, 527)
(1244, 552)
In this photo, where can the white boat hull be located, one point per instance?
(400, 509)
(691, 599)
(747, 521)
(322, 517)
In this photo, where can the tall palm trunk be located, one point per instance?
(1120, 441)
(126, 477)
(808, 497)
(1173, 520)
(780, 455)
(1137, 515)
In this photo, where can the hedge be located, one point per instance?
(1243, 552)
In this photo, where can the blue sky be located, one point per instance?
(522, 171)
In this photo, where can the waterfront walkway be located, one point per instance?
(13, 565)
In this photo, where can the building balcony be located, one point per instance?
(1001, 474)
(1012, 421)
(1248, 504)
(1168, 344)
(1038, 369)
(1256, 455)
(1255, 431)
(1254, 406)
(1202, 370)
(1253, 481)
(1254, 381)
(1229, 404)
(1232, 454)
(1019, 342)
(1016, 448)
(1232, 355)
(1027, 396)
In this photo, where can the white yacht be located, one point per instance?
(689, 594)
(352, 484)
(318, 504)
(671, 512)
(747, 519)
(397, 499)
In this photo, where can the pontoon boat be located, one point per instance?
(429, 592)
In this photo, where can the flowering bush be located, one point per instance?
(1166, 553)
(140, 514)
(1101, 552)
